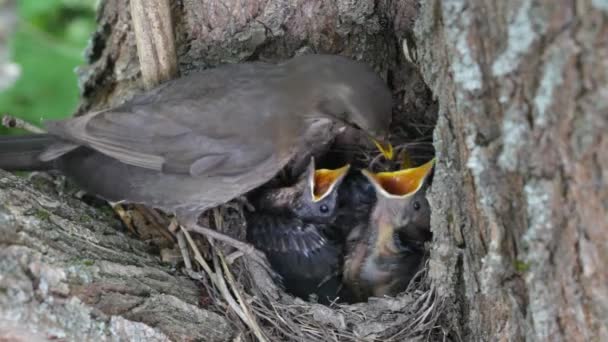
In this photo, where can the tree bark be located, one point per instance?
(68, 273)
(519, 196)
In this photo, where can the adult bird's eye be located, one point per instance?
(324, 208)
(416, 205)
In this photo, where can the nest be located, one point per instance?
(244, 290)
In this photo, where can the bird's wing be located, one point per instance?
(190, 125)
(278, 234)
(308, 240)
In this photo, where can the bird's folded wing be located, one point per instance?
(169, 137)
(298, 237)
(279, 234)
(206, 122)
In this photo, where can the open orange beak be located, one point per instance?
(400, 183)
(325, 180)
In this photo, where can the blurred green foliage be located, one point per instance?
(48, 46)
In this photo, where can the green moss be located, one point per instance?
(88, 262)
(22, 174)
(85, 219)
(521, 266)
(107, 211)
(42, 215)
(450, 218)
(78, 262)
(41, 184)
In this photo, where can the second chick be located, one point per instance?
(292, 226)
(384, 253)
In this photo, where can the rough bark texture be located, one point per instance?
(67, 273)
(153, 29)
(520, 196)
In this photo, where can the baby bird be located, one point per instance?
(384, 253)
(292, 226)
(356, 198)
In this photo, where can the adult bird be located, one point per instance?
(201, 140)
(384, 254)
(292, 226)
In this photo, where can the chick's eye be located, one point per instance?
(324, 208)
(416, 205)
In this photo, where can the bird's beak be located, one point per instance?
(325, 180)
(395, 186)
(406, 160)
(385, 147)
(401, 183)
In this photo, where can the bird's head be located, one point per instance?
(402, 212)
(317, 200)
(351, 92)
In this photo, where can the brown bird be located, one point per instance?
(201, 140)
(292, 226)
(384, 253)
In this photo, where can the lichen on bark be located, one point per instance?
(513, 82)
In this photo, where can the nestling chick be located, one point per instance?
(292, 227)
(384, 254)
(356, 198)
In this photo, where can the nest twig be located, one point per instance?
(224, 281)
(414, 314)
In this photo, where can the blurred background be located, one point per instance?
(44, 45)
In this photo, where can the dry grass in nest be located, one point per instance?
(263, 311)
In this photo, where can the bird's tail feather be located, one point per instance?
(21, 152)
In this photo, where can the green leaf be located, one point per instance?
(32, 8)
(48, 46)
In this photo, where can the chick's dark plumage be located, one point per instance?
(292, 226)
(356, 199)
(302, 253)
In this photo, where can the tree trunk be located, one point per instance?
(519, 196)
(68, 273)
